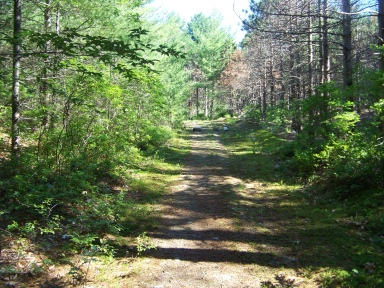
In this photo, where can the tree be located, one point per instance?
(173, 74)
(17, 42)
(307, 38)
(347, 45)
(70, 58)
(233, 82)
(380, 18)
(210, 51)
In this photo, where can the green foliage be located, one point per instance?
(277, 117)
(144, 243)
(211, 45)
(378, 108)
(341, 241)
(154, 136)
(370, 88)
(209, 49)
(338, 146)
(46, 222)
(335, 278)
(253, 113)
(201, 116)
(77, 203)
(357, 277)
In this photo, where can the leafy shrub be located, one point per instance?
(253, 113)
(220, 112)
(336, 146)
(200, 116)
(277, 117)
(154, 136)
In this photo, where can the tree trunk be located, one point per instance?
(197, 102)
(265, 89)
(321, 57)
(211, 107)
(325, 44)
(44, 80)
(206, 103)
(310, 52)
(292, 87)
(190, 107)
(272, 81)
(325, 57)
(17, 38)
(347, 47)
(44, 97)
(380, 17)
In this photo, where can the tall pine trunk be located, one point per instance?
(44, 80)
(347, 48)
(325, 44)
(381, 30)
(17, 41)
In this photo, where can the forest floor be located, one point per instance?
(203, 239)
(230, 219)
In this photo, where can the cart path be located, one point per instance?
(199, 240)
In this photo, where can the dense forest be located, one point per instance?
(92, 90)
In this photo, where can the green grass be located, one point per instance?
(257, 154)
(89, 209)
(337, 243)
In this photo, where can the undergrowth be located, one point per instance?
(335, 236)
(86, 211)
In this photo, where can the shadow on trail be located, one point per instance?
(281, 245)
(269, 232)
(217, 255)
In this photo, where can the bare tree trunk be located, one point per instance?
(197, 102)
(347, 46)
(44, 97)
(265, 90)
(310, 51)
(55, 63)
(272, 79)
(293, 89)
(325, 59)
(259, 102)
(283, 90)
(17, 13)
(190, 107)
(44, 80)
(211, 105)
(264, 111)
(321, 56)
(381, 43)
(206, 104)
(325, 44)
(380, 17)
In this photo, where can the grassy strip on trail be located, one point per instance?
(337, 243)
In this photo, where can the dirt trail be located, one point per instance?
(199, 242)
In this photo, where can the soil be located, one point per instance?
(202, 239)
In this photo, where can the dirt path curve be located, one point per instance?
(198, 242)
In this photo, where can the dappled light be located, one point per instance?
(141, 150)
